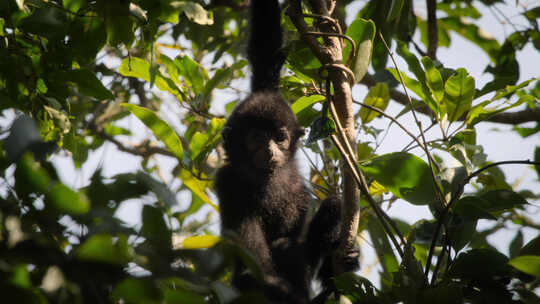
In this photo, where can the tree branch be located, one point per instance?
(433, 33)
(331, 54)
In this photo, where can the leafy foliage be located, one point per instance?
(77, 73)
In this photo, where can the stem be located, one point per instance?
(433, 35)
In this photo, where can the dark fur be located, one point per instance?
(267, 205)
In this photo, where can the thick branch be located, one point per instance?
(328, 54)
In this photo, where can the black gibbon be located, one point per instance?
(261, 194)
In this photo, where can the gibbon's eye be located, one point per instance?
(281, 135)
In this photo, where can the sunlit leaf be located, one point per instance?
(303, 109)
(362, 32)
(200, 241)
(410, 83)
(194, 75)
(197, 187)
(305, 102)
(434, 79)
(458, 94)
(139, 68)
(159, 128)
(416, 69)
(194, 11)
(378, 97)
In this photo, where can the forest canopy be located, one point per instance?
(111, 114)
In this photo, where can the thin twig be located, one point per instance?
(415, 138)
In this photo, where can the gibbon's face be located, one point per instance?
(268, 149)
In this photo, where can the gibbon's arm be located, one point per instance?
(264, 46)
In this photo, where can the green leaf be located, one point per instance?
(516, 244)
(511, 89)
(161, 129)
(194, 74)
(405, 175)
(88, 84)
(219, 77)
(179, 296)
(73, 5)
(197, 187)
(480, 112)
(172, 69)
(303, 109)
(445, 294)
(154, 228)
(305, 102)
(502, 200)
(200, 241)
(139, 68)
(119, 26)
(529, 264)
(479, 264)
(137, 290)
(395, 10)
(472, 208)
(378, 97)
(194, 11)
(458, 94)
(362, 32)
(63, 199)
(434, 79)
(410, 83)
(103, 248)
(30, 177)
(416, 68)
